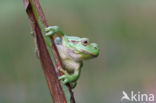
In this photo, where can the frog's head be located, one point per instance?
(81, 48)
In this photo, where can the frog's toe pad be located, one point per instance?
(62, 77)
(47, 29)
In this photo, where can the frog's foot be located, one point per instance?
(51, 30)
(73, 84)
(62, 70)
(66, 78)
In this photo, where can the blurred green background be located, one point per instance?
(124, 29)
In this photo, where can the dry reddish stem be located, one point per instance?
(49, 70)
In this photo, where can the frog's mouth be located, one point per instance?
(88, 53)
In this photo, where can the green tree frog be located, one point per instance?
(72, 50)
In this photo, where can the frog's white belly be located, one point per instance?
(69, 59)
(70, 65)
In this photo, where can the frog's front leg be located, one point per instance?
(51, 30)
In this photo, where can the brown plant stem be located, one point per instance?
(35, 14)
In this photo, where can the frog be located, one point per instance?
(73, 50)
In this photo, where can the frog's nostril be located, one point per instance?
(95, 46)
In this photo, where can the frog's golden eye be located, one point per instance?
(84, 42)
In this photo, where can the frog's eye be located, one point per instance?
(84, 42)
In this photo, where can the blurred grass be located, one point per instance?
(125, 31)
